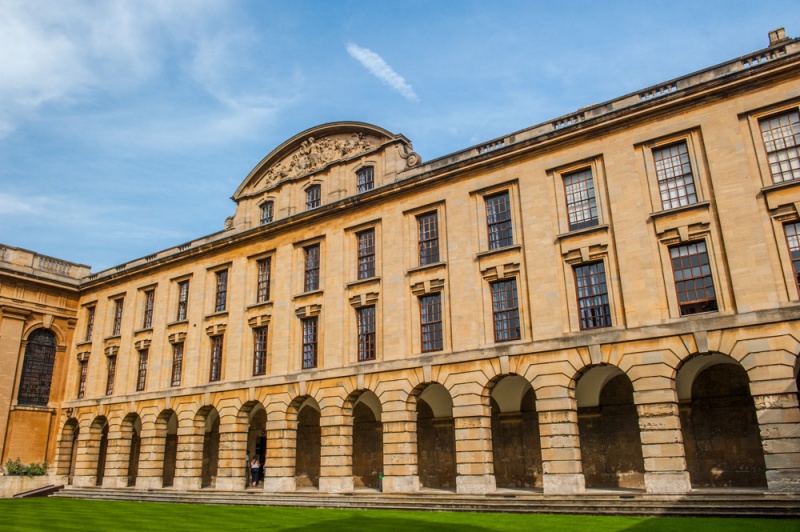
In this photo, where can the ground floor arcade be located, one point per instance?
(703, 411)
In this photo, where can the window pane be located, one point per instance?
(430, 310)
(693, 283)
(260, 351)
(313, 197)
(267, 213)
(310, 343)
(675, 180)
(781, 136)
(216, 359)
(581, 203)
(366, 333)
(311, 268)
(505, 308)
(366, 179)
(592, 291)
(37, 369)
(264, 266)
(366, 254)
(428, 225)
(498, 219)
(222, 290)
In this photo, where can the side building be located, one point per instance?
(607, 300)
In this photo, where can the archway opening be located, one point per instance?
(516, 447)
(210, 450)
(608, 424)
(309, 445)
(257, 443)
(720, 429)
(100, 428)
(367, 441)
(168, 426)
(436, 445)
(134, 424)
(68, 449)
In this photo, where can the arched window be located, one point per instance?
(37, 370)
(267, 212)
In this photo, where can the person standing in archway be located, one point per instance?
(255, 470)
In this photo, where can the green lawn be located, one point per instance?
(68, 514)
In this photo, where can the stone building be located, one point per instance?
(606, 300)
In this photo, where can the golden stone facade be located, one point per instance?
(607, 300)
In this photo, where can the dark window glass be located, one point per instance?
(84, 370)
(590, 285)
(430, 312)
(781, 136)
(428, 225)
(177, 364)
(310, 343)
(264, 266)
(311, 280)
(693, 282)
(141, 380)
(112, 371)
(793, 239)
(505, 308)
(183, 299)
(581, 203)
(498, 219)
(675, 180)
(313, 197)
(267, 212)
(149, 303)
(260, 351)
(117, 317)
(366, 179)
(37, 369)
(366, 254)
(366, 333)
(215, 373)
(89, 323)
(222, 291)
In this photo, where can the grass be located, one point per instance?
(70, 514)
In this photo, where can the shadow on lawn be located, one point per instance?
(360, 522)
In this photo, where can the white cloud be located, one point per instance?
(381, 70)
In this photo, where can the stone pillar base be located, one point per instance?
(336, 484)
(148, 483)
(88, 481)
(784, 480)
(667, 482)
(231, 483)
(475, 484)
(187, 483)
(115, 482)
(564, 484)
(401, 484)
(280, 484)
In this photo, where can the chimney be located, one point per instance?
(777, 36)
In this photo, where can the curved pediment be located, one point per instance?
(314, 149)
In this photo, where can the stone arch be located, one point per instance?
(516, 445)
(305, 410)
(253, 415)
(167, 434)
(68, 449)
(131, 429)
(37, 368)
(207, 419)
(98, 432)
(364, 409)
(436, 447)
(718, 419)
(608, 427)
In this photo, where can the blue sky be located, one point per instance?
(125, 126)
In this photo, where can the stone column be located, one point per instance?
(12, 322)
(474, 460)
(86, 459)
(189, 462)
(561, 449)
(117, 457)
(662, 445)
(779, 422)
(279, 464)
(232, 469)
(151, 458)
(336, 460)
(399, 449)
